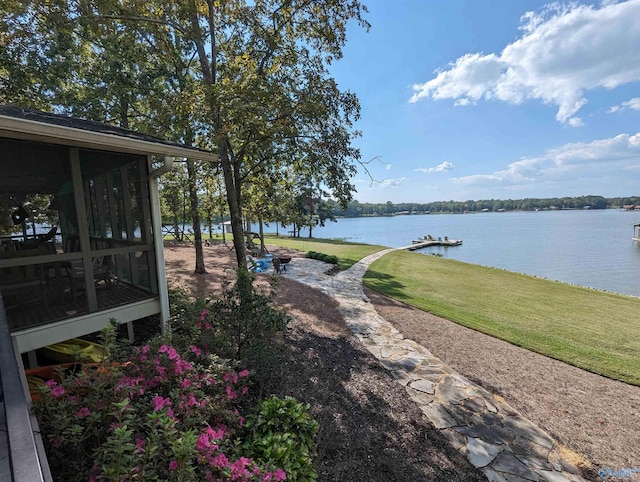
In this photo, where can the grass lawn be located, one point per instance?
(590, 329)
(348, 253)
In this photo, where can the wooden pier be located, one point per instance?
(425, 243)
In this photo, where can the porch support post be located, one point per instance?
(83, 228)
(156, 219)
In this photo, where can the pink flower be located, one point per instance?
(140, 445)
(83, 412)
(57, 391)
(172, 353)
(238, 469)
(145, 349)
(207, 326)
(203, 314)
(230, 393)
(51, 383)
(163, 349)
(186, 383)
(159, 403)
(279, 474)
(245, 390)
(196, 350)
(173, 465)
(220, 461)
(243, 373)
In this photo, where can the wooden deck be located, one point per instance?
(29, 308)
(435, 242)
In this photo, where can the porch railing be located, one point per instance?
(23, 445)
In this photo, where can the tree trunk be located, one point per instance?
(263, 249)
(195, 216)
(233, 199)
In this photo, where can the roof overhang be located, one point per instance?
(25, 129)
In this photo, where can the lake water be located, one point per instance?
(586, 247)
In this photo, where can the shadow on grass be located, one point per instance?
(385, 284)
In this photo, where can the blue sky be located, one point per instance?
(483, 99)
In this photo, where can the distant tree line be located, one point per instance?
(357, 209)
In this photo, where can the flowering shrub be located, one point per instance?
(164, 414)
(240, 325)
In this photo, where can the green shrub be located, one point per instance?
(322, 257)
(240, 325)
(282, 434)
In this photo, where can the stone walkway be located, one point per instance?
(493, 436)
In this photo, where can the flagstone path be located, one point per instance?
(493, 436)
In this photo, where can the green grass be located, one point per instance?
(348, 253)
(593, 330)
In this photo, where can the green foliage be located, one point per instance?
(241, 324)
(282, 434)
(331, 259)
(357, 209)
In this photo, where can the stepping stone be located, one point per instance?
(401, 376)
(408, 362)
(424, 386)
(493, 476)
(509, 463)
(552, 476)
(456, 439)
(528, 430)
(475, 405)
(419, 397)
(481, 431)
(450, 394)
(439, 417)
(480, 453)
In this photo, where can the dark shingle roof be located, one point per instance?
(75, 123)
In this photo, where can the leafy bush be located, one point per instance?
(240, 325)
(322, 257)
(332, 259)
(281, 434)
(162, 415)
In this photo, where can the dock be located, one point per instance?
(425, 243)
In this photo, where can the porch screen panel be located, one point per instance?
(115, 186)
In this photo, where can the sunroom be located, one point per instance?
(80, 225)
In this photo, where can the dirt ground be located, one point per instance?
(371, 430)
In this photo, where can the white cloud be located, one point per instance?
(388, 168)
(594, 160)
(565, 50)
(633, 104)
(444, 166)
(390, 183)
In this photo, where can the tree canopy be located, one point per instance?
(248, 79)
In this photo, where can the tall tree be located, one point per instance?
(258, 72)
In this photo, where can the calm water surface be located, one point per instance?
(588, 248)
